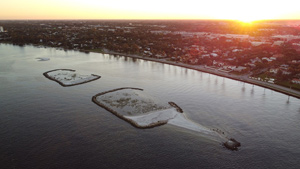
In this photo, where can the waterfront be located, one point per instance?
(44, 125)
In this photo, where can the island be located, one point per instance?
(143, 111)
(69, 77)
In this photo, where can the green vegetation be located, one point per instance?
(96, 50)
(289, 85)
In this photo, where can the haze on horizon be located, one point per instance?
(155, 9)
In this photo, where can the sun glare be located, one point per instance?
(246, 20)
(244, 11)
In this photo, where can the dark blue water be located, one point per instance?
(44, 125)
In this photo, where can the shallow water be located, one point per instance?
(45, 125)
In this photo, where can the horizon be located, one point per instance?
(169, 20)
(156, 10)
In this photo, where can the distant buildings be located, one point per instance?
(296, 81)
(1, 29)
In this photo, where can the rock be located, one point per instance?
(232, 144)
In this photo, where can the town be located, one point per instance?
(266, 51)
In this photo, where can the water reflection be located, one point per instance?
(216, 81)
(252, 90)
(243, 88)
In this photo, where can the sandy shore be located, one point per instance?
(242, 78)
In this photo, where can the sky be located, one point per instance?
(244, 10)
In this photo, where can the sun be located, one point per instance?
(246, 17)
(247, 20)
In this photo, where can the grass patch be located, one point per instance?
(288, 85)
(96, 50)
(238, 73)
(265, 76)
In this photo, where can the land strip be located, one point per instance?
(202, 68)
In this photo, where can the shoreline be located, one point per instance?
(201, 68)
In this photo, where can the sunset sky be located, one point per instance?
(244, 10)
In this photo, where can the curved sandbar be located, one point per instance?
(81, 79)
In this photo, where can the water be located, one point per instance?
(44, 125)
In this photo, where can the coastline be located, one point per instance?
(201, 68)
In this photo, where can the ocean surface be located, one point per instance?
(44, 125)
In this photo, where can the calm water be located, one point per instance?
(44, 125)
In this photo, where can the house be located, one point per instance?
(160, 56)
(240, 68)
(194, 61)
(278, 56)
(236, 50)
(256, 43)
(229, 67)
(295, 61)
(215, 63)
(250, 64)
(273, 71)
(296, 81)
(214, 55)
(217, 51)
(231, 59)
(271, 80)
(286, 72)
(284, 66)
(206, 55)
(256, 60)
(278, 43)
(175, 58)
(267, 59)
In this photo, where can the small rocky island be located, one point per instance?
(69, 77)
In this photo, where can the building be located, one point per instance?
(1, 29)
(296, 81)
(273, 71)
(240, 68)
